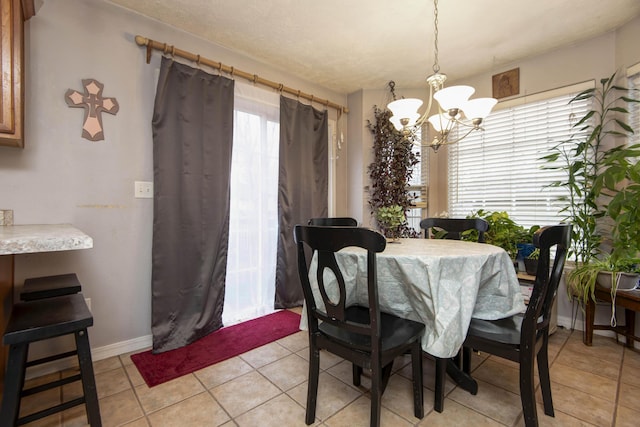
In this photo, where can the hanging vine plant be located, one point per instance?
(391, 170)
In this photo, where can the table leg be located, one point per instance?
(589, 317)
(630, 326)
(464, 380)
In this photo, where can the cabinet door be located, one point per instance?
(11, 97)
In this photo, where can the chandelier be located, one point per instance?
(457, 115)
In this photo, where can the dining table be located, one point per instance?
(441, 283)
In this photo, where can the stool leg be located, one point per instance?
(13, 382)
(88, 379)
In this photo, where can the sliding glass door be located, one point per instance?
(253, 224)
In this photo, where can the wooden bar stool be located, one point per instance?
(43, 319)
(50, 286)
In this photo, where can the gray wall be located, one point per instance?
(60, 177)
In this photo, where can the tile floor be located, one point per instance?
(592, 386)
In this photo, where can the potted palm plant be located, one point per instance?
(594, 175)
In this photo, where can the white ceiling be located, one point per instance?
(346, 45)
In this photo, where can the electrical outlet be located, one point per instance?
(143, 190)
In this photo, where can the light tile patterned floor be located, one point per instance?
(592, 386)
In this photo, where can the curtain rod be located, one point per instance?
(174, 51)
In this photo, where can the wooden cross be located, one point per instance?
(94, 104)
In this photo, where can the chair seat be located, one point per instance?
(505, 331)
(50, 286)
(47, 318)
(395, 331)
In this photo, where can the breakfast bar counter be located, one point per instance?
(24, 239)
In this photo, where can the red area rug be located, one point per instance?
(220, 345)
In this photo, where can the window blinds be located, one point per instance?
(634, 108)
(500, 169)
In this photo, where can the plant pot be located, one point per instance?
(524, 250)
(531, 266)
(626, 281)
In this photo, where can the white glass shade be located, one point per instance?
(453, 96)
(404, 109)
(478, 108)
(440, 121)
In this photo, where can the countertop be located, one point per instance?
(23, 239)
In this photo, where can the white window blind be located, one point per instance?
(634, 108)
(500, 169)
(418, 184)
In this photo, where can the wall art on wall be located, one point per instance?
(94, 104)
(506, 84)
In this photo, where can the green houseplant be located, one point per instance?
(391, 169)
(582, 159)
(503, 231)
(606, 271)
(619, 183)
(390, 219)
(531, 262)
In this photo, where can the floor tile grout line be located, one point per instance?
(615, 408)
(135, 394)
(565, 344)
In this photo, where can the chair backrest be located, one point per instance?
(337, 221)
(324, 242)
(548, 276)
(454, 227)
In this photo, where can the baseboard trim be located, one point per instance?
(98, 353)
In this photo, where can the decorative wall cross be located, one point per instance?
(94, 104)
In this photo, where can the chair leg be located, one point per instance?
(386, 375)
(376, 393)
(441, 372)
(357, 373)
(545, 380)
(13, 383)
(527, 393)
(88, 378)
(312, 388)
(418, 391)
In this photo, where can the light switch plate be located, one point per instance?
(143, 190)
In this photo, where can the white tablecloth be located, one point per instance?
(441, 283)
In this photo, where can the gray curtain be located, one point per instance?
(302, 188)
(192, 139)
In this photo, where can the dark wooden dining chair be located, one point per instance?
(365, 336)
(336, 221)
(524, 338)
(452, 228)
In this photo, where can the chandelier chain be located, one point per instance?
(436, 66)
(456, 115)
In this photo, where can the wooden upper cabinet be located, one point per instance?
(13, 13)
